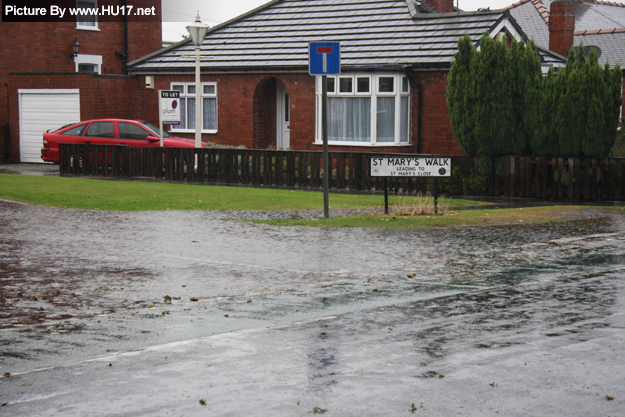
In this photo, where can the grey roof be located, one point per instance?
(528, 16)
(611, 45)
(373, 34)
(600, 24)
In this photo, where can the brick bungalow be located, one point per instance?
(389, 97)
(560, 24)
(46, 85)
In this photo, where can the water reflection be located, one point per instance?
(322, 359)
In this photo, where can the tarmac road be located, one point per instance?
(510, 320)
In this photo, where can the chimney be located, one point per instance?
(561, 26)
(441, 6)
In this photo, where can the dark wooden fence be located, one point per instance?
(589, 179)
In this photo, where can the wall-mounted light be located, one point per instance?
(75, 49)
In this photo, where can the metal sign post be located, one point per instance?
(400, 166)
(324, 58)
(327, 170)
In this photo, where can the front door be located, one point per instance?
(283, 112)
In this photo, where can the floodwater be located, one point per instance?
(394, 306)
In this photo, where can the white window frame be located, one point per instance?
(403, 94)
(356, 78)
(186, 95)
(89, 59)
(337, 86)
(88, 27)
(374, 93)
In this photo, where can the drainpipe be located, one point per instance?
(124, 55)
(125, 35)
(6, 133)
(419, 118)
(408, 72)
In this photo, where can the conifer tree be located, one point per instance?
(500, 104)
(491, 96)
(527, 93)
(543, 135)
(613, 102)
(460, 96)
(588, 104)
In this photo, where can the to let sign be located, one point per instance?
(170, 107)
(410, 167)
(324, 58)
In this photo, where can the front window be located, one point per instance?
(86, 14)
(155, 130)
(366, 109)
(187, 107)
(131, 131)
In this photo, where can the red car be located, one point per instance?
(135, 133)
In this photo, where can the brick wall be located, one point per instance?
(437, 136)
(45, 47)
(246, 107)
(247, 114)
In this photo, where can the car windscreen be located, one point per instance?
(155, 130)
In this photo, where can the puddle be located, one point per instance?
(82, 281)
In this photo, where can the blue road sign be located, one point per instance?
(324, 58)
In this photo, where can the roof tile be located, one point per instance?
(371, 32)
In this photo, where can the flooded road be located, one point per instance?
(354, 321)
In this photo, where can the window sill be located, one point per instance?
(90, 28)
(365, 144)
(208, 132)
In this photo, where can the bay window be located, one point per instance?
(187, 107)
(366, 109)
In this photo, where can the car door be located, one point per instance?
(132, 134)
(100, 133)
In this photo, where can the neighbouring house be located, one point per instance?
(57, 72)
(560, 24)
(390, 96)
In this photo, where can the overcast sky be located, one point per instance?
(177, 14)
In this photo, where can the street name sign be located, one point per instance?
(410, 167)
(324, 58)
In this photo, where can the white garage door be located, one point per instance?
(41, 110)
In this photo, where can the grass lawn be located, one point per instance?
(481, 217)
(90, 194)
(109, 195)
